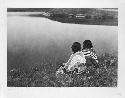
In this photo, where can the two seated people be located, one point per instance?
(78, 61)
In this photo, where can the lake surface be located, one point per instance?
(37, 40)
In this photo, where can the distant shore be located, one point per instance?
(75, 16)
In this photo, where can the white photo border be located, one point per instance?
(55, 92)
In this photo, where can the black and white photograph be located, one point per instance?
(62, 47)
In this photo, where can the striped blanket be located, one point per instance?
(91, 53)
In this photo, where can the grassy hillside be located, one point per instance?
(44, 75)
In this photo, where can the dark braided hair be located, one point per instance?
(76, 47)
(87, 44)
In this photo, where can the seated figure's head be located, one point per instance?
(87, 44)
(76, 47)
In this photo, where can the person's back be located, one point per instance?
(75, 60)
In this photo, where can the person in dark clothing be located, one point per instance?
(91, 57)
(89, 51)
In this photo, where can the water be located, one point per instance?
(36, 40)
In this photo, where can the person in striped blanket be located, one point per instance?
(89, 51)
(92, 63)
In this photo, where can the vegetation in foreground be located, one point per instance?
(104, 76)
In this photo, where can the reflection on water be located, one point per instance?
(33, 40)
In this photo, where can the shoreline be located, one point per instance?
(81, 16)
